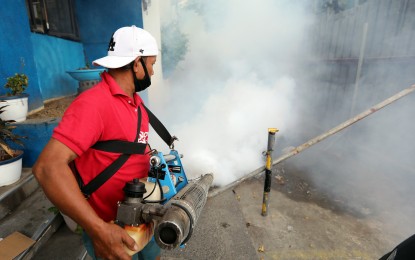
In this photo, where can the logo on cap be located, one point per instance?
(111, 44)
(142, 51)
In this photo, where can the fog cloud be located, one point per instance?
(234, 81)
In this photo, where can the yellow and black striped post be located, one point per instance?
(268, 171)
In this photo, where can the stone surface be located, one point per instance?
(52, 109)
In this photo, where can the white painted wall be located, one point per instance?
(157, 93)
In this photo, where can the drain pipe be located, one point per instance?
(359, 68)
(268, 170)
(319, 138)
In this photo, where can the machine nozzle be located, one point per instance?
(155, 160)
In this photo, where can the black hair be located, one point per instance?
(130, 65)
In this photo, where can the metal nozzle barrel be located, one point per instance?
(155, 159)
(177, 224)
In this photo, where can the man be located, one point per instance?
(405, 250)
(111, 110)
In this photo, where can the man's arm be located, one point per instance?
(60, 186)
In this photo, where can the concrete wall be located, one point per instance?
(390, 31)
(16, 50)
(157, 95)
(37, 135)
(97, 21)
(380, 34)
(53, 57)
(46, 58)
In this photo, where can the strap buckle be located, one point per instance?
(173, 138)
(86, 195)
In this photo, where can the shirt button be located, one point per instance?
(135, 110)
(129, 101)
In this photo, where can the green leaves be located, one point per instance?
(17, 84)
(7, 136)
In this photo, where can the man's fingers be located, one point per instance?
(129, 242)
(111, 242)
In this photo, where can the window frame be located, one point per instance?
(38, 13)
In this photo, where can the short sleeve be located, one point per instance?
(81, 126)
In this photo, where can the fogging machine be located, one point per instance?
(179, 208)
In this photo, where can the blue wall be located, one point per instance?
(37, 136)
(53, 57)
(97, 21)
(16, 51)
(46, 58)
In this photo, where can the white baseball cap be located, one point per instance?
(127, 43)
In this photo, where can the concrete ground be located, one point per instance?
(232, 227)
(303, 222)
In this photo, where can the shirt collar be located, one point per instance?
(115, 89)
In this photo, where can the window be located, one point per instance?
(53, 17)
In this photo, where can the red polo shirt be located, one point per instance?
(101, 113)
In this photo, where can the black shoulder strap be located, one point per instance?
(118, 146)
(105, 175)
(126, 148)
(160, 128)
(108, 172)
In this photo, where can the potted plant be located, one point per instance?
(15, 99)
(10, 158)
(86, 76)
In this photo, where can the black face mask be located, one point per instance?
(141, 84)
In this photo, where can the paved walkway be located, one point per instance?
(231, 227)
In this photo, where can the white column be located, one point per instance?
(157, 95)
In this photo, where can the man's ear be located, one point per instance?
(137, 64)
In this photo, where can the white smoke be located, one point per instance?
(368, 168)
(238, 74)
(234, 81)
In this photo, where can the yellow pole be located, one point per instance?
(268, 170)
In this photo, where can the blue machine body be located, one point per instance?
(168, 169)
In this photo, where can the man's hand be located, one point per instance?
(60, 186)
(109, 242)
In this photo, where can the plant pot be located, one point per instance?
(17, 107)
(11, 170)
(72, 225)
(87, 77)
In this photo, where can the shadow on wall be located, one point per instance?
(38, 133)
